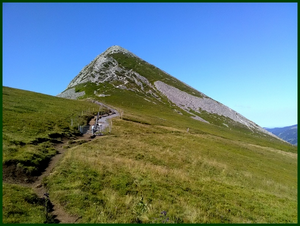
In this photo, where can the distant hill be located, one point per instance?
(288, 133)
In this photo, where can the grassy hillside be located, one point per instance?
(32, 122)
(142, 170)
(134, 106)
(150, 164)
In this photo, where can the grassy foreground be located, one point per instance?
(21, 205)
(149, 169)
(142, 170)
(32, 124)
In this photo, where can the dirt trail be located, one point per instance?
(57, 211)
(60, 216)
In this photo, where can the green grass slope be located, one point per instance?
(31, 124)
(141, 170)
(21, 205)
(150, 164)
(136, 107)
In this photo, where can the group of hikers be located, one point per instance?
(97, 127)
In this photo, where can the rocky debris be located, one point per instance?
(198, 118)
(121, 87)
(152, 93)
(187, 101)
(71, 94)
(100, 94)
(38, 186)
(177, 111)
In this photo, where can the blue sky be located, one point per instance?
(243, 55)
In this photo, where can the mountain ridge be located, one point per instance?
(128, 72)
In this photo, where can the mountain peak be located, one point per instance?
(102, 68)
(117, 49)
(130, 73)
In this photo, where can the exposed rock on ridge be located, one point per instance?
(105, 68)
(102, 68)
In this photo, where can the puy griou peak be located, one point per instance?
(123, 70)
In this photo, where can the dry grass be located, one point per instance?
(264, 149)
(196, 178)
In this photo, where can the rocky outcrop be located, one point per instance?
(71, 94)
(103, 68)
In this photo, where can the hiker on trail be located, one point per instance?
(92, 129)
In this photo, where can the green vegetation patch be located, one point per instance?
(21, 205)
(29, 159)
(151, 72)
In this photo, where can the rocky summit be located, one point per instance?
(125, 71)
